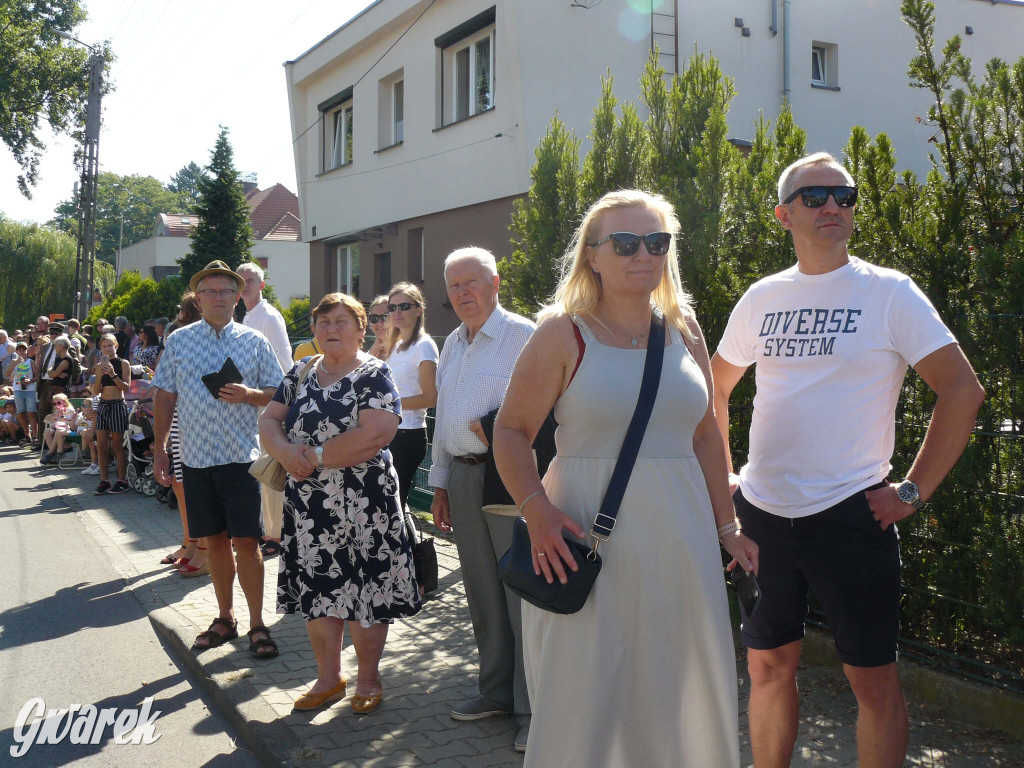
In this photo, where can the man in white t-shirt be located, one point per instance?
(831, 338)
(261, 316)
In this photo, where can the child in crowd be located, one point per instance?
(24, 379)
(86, 425)
(9, 429)
(55, 426)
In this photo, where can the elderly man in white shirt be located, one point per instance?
(474, 370)
(261, 316)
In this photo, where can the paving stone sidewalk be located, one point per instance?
(429, 663)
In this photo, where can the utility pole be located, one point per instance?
(85, 257)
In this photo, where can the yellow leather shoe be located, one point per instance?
(310, 701)
(364, 705)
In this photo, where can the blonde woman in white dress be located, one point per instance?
(645, 673)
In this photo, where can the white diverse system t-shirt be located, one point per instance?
(831, 352)
(405, 367)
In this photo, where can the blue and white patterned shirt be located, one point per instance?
(211, 431)
(471, 382)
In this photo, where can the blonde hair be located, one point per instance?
(61, 396)
(418, 330)
(579, 290)
(110, 337)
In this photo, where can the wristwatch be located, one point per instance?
(908, 493)
(319, 451)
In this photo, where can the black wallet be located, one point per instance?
(747, 590)
(228, 374)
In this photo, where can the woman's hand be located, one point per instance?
(551, 555)
(744, 551)
(294, 460)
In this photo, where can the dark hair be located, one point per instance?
(149, 336)
(189, 309)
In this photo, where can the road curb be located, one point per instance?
(238, 700)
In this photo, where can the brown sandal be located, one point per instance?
(214, 638)
(265, 647)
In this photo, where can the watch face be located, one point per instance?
(907, 493)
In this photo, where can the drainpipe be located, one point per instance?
(785, 50)
(774, 28)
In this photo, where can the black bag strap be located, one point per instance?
(604, 523)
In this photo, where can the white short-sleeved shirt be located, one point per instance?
(405, 367)
(830, 354)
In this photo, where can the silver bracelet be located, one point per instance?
(733, 527)
(527, 499)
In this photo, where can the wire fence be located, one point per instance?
(963, 554)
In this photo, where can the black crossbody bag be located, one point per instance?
(516, 566)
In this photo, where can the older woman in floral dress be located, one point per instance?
(346, 555)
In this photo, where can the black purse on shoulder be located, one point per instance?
(516, 566)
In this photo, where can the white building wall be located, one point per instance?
(287, 262)
(551, 56)
(287, 268)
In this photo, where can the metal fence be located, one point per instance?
(963, 555)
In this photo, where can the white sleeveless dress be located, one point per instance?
(644, 675)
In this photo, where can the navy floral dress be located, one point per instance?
(345, 551)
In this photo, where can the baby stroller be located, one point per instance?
(138, 439)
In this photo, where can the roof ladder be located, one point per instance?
(665, 33)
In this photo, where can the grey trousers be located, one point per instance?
(481, 539)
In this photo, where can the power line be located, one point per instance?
(503, 134)
(378, 61)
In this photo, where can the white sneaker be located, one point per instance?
(88, 470)
(94, 469)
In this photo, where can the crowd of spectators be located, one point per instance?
(53, 363)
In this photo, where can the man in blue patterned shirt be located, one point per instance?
(219, 440)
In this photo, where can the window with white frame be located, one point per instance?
(466, 68)
(818, 75)
(336, 115)
(398, 112)
(347, 268)
(391, 110)
(825, 65)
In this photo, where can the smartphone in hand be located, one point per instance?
(747, 590)
(102, 359)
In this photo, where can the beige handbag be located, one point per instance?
(266, 468)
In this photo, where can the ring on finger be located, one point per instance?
(542, 554)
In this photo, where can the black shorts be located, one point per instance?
(112, 416)
(846, 559)
(223, 498)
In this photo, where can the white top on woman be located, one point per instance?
(405, 367)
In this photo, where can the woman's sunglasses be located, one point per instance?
(628, 243)
(405, 306)
(815, 197)
(375, 318)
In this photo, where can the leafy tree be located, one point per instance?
(140, 299)
(186, 183)
(543, 222)
(37, 270)
(139, 199)
(225, 230)
(42, 78)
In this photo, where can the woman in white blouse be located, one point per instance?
(413, 362)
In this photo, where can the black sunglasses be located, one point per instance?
(815, 197)
(405, 306)
(628, 243)
(378, 318)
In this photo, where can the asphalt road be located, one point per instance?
(71, 634)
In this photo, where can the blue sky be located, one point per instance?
(185, 67)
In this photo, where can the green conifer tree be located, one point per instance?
(225, 229)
